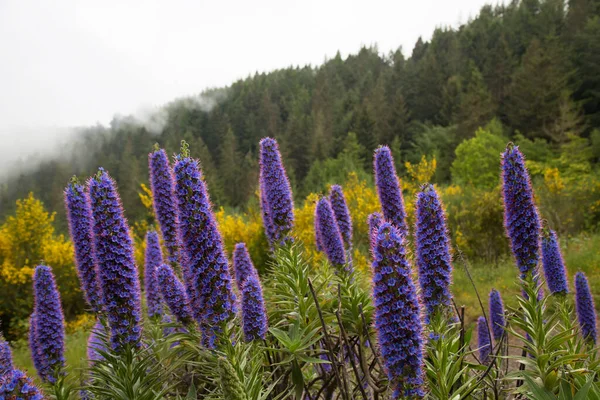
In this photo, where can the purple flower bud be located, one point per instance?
(33, 342)
(154, 259)
(389, 190)
(203, 247)
(254, 314)
(342, 215)
(433, 252)
(6, 363)
(173, 293)
(165, 204)
(497, 314)
(586, 311)
(79, 214)
(16, 385)
(242, 265)
(118, 274)
(95, 344)
(554, 266)
(276, 194)
(521, 218)
(375, 220)
(397, 313)
(50, 325)
(331, 238)
(483, 340)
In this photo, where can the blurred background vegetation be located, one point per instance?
(527, 72)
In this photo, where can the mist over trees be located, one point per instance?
(532, 65)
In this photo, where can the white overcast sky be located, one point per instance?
(77, 62)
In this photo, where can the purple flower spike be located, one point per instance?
(165, 204)
(50, 325)
(16, 385)
(497, 314)
(318, 239)
(433, 252)
(375, 220)
(79, 214)
(586, 311)
(154, 259)
(203, 246)
(554, 266)
(342, 215)
(389, 190)
(117, 271)
(397, 314)
(95, 344)
(6, 363)
(521, 218)
(483, 340)
(331, 237)
(33, 342)
(276, 194)
(242, 265)
(173, 293)
(254, 314)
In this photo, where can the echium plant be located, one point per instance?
(374, 221)
(484, 343)
(397, 314)
(276, 194)
(243, 267)
(49, 328)
(16, 385)
(586, 310)
(162, 184)
(389, 190)
(153, 259)
(497, 314)
(173, 293)
(117, 271)
(95, 344)
(331, 238)
(433, 257)
(342, 214)
(254, 313)
(203, 247)
(33, 342)
(552, 261)
(521, 218)
(79, 216)
(6, 362)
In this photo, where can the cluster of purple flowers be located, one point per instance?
(6, 363)
(95, 343)
(329, 234)
(586, 310)
(342, 214)
(433, 252)
(203, 247)
(276, 194)
(16, 385)
(483, 340)
(79, 215)
(117, 271)
(389, 190)
(153, 260)
(552, 261)
(48, 331)
(497, 318)
(173, 293)
(397, 313)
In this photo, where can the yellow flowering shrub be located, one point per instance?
(362, 200)
(304, 226)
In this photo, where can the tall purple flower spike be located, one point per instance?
(79, 214)
(154, 259)
(276, 194)
(50, 325)
(521, 218)
(497, 317)
(254, 314)
(318, 239)
(483, 340)
(552, 261)
(389, 190)
(586, 310)
(397, 314)
(17, 385)
(173, 293)
(33, 342)
(331, 238)
(433, 252)
(203, 246)
(118, 274)
(242, 265)
(342, 215)
(162, 184)
(6, 363)
(95, 344)
(375, 220)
